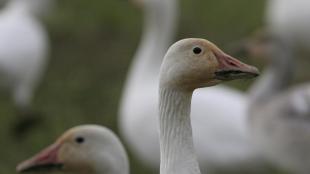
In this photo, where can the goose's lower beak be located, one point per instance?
(46, 160)
(231, 68)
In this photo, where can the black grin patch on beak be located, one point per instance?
(43, 168)
(234, 74)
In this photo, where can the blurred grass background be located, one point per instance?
(93, 43)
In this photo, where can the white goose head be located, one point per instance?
(265, 45)
(195, 63)
(82, 149)
(189, 64)
(279, 54)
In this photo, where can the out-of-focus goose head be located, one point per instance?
(263, 45)
(85, 149)
(194, 63)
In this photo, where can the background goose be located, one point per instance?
(87, 149)
(225, 142)
(189, 64)
(279, 116)
(138, 105)
(23, 54)
(289, 19)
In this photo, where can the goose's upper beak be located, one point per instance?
(231, 68)
(47, 159)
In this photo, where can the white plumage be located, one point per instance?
(184, 70)
(23, 50)
(90, 149)
(289, 19)
(220, 134)
(279, 117)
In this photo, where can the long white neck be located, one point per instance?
(159, 27)
(177, 153)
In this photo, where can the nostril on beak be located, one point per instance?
(232, 63)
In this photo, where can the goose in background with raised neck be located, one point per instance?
(86, 149)
(189, 64)
(138, 106)
(278, 116)
(289, 21)
(225, 143)
(23, 55)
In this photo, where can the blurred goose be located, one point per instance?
(87, 149)
(189, 64)
(289, 19)
(23, 53)
(225, 141)
(279, 116)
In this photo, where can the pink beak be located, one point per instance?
(231, 68)
(45, 160)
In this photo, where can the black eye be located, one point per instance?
(79, 140)
(197, 50)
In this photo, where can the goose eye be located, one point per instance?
(79, 140)
(197, 50)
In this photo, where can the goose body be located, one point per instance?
(225, 141)
(86, 149)
(23, 50)
(281, 128)
(279, 118)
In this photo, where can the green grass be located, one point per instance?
(92, 45)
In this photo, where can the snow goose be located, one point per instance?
(86, 149)
(278, 116)
(23, 54)
(225, 141)
(189, 64)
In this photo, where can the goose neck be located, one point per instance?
(158, 31)
(160, 21)
(277, 75)
(176, 139)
